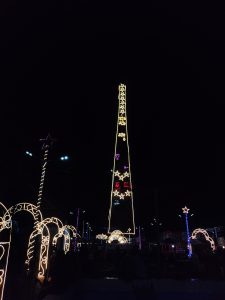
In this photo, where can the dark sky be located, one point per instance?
(61, 63)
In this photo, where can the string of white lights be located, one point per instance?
(206, 235)
(121, 132)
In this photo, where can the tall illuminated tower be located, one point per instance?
(186, 212)
(121, 210)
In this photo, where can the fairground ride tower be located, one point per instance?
(121, 210)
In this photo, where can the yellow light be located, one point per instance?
(101, 236)
(185, 210)
(122, 135)
(117, 235)
(206, 235)
(121, 132)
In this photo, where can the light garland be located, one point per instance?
(121, 189)
(47, 142)
(206, 235)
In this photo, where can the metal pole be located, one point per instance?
(139, 246)
(77, 225)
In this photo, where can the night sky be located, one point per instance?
(61, 63)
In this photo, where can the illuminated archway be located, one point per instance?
(117, 235)
(5, 225)
(36, 213)
(64, 231)
(42, 229)
(206, 235)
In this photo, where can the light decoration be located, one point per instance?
(5, 225)
(122, 135)
(122, 195)
(117, 235)
(47, 142)
(121, 176)
(102, 237)
(121, 191)
(64, 232)
(41, 228)
(198, 231)
(28, 207)
(117, 156)
(186, 212)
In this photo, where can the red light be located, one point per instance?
(117, 185)
(126, 184)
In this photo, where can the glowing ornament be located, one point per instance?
(185, 210)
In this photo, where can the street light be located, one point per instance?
(65, 157)
(29, 153)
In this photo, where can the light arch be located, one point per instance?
(206, 235)
(5, 224)
(117, 235)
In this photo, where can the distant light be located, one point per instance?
(71, 213)
(64, 157)
(173, 246)
(29, 153)
(192, 215)
(223, 247)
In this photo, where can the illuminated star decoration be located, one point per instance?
(121, 176)
(116, 193)
(185, 210)
(128, 193)
(122, 195)
(47, 142)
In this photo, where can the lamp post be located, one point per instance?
(186, 214)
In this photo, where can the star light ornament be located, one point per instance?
(128, 193)
(121, 176)
(116, 193)
(122, 195)
(185, 210)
